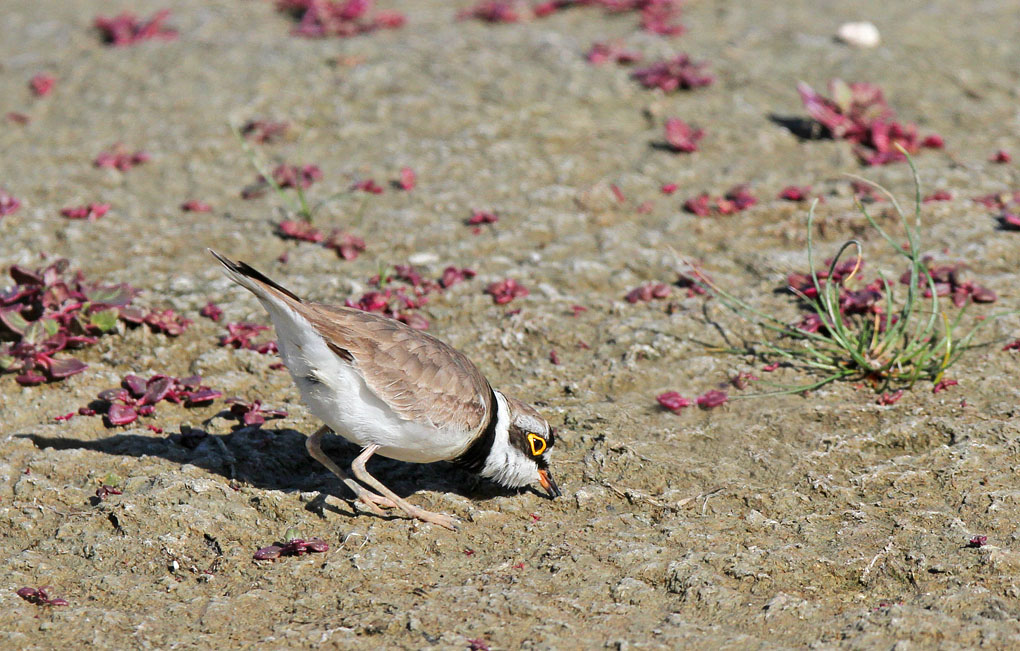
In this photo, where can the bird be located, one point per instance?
(400, 393)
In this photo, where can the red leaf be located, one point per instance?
(408, 179)
(611, 52)
(980, 294)
(699, 205)
(648, 292)
(670, 75)
(42, 84)
(942, 385)
(194, 205)
(890, 398)
(212, 311)
(504, 291)
(338, 18)
(369, 186)
(120, 158)
(452, 275)
(347, 246)
(299, 230)
(156, 389)
(167, 322)
(673, 401)
(121, 414)
(61, 368)
(30, 378)
(90, 212)
(264, 131)
(127, 29)
(8, 203)
(681, 136)
(268, 553)
(495, 11)
(482, 217)
(938, 195)
(712, 399)
(317, 545)
(795, 193)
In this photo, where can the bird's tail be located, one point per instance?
(254, 280)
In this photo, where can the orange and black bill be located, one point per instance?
(548, 483)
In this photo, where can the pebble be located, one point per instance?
(859, 34)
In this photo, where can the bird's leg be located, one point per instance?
(361, 473)
(370, 499)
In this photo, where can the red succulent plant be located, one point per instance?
(859, 113)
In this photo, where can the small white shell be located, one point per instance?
(862, 34)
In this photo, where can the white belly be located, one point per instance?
(343, 401)
(337, 394)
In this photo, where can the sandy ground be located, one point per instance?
(822, 521)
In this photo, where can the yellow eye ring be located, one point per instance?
(537, 444)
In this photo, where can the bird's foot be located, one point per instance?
(441, 519)
(373, 502)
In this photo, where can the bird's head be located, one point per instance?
(529, 439)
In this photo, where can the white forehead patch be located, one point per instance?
(529, 423)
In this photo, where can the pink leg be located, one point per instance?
(361, 473)
(314, 445)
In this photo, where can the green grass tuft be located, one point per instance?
(913, 339)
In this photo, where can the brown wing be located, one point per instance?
(420, 376)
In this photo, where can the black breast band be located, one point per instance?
(477, 453)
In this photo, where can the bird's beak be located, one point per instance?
(548, 483)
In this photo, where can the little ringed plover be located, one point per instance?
(400, 393)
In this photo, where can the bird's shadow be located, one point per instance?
(276, 459)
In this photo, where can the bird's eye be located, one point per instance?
(538, 444)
